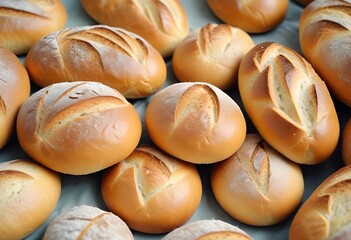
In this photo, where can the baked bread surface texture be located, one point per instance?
(288, 103)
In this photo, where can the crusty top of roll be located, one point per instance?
(87, 222)
(24, 22)
(326, 213)
(288, 103)
(14, 90)
(325, 40)
(163, 23)
(112, 56)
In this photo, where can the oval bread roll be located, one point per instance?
(112, 56)
(195, 122)
(87, 222)
(326, 213)
(207, 230)
(257, 185)
(288, 103)
(14, 90)
(29, 194)
(346, 143)
(163, 23)
(152, 191)
(24, 22)
(325, 40)
(254, 16)
(78, 127)
(211, 54)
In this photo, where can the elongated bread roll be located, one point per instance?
(112, 56)
(78, 127)
(325, 40)
(14, 90)
(24, 22)
(326, 213)
(29, 194)
(288, 103)
(152, 191)
(163, 23)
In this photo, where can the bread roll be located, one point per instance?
(163, 23)
(254, 16)
(112, 56)
(304, 3)
(326, 213)
(29, 194)
(152, 191)
(207, 230)
(288, 103)
(211, 54)
(24, 22)
(78, 127)
(87, 222)
(346, 143)
(14, 90)
(257, 185)
(195, 122)
(325, 40)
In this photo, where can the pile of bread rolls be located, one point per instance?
(176, 129)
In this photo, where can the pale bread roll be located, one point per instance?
(24, 22)
(288, 103)
(163, 23)
(325, 41)
(152, 191)
(87, 222)
(78, 127)
(211, 54)
(326, 213)
(254, 16)
(195, 122)
(29, 194)
(207, 230)
(257, 185)
(14, 90)
(113, 56)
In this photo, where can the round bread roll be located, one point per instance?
(254, 16)
(211, 54)
(163, 23)
(112, 56)
(257, 185)
(14, 90)
(325, 40)
(87, 222)
(152, 191)
(195, 122)
(326, 213)
(24, 22)
(29, 194)
(288, 103)
(207, 230)
(346, 143)
(78, 127)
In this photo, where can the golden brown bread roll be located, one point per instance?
(257, 185)
(254, 16)
(325, 39)
(87, 222)
(346, 143)
(112, 56)
(152, 191)
(24, 22)
(163, 23)
(29, 194)
(195, 122)
(207, 230)
(288, 103)
(326, 213)
(78, 127)
(211, 54)
(14, 90)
